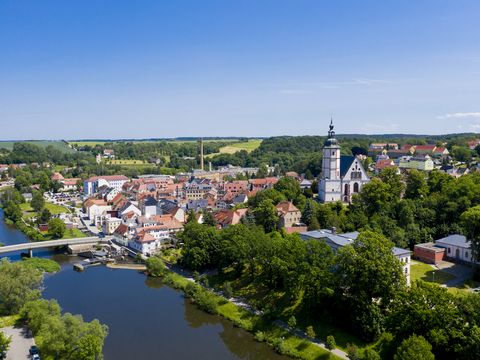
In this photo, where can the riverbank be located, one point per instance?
(286, 341)
(138, 267)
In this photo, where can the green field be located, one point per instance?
(249, 146)
(73, 234)
(53, 208)
(60, 145)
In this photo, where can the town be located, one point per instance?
(113, 218)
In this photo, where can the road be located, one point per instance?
(21, 342)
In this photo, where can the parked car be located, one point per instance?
(33, 350)
(36, 357)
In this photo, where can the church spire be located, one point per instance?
(331, 141)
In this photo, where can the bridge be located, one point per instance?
(30, 246)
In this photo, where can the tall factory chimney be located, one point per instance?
(201, 154)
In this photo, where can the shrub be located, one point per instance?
(352, 352)
(292, 322)
(330, 343)
(310, 332)
(227, 290)
(260, 336)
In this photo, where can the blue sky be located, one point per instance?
(133, 69)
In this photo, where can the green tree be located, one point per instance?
(330, 342)
(266, 215)
(155, 266)
(370, 354)
(56, 228)
(391, 177)
(44, 217)
(18, 284)
(208, 219)
(292, 322)
(310, 332)
(38, 202)
(413, 348)
(416, 185)
(4, 342)
(471, 224)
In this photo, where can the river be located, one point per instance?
(146, 319)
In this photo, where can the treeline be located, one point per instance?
(361, 289)
(25, 152)
(59, 336)
(303, 154)
(148, 150)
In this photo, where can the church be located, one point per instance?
(342, 176)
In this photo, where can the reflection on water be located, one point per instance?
(147, 320)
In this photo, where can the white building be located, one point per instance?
(341, 176)
(457, 248)
(91, 185)
(336, 241)
(111, 224)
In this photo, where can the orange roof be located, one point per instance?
(90, 202)
(286, 207)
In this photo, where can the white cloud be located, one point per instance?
(460, 115)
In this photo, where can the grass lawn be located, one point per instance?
(73, 233)
(54, 209)
(425, 272)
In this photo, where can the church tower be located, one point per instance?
(329, 187)
(331, 156)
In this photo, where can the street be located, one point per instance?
(21, 342)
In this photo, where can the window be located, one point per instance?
(466, 254)
(406, 271)
(449, 250)
(355, 188)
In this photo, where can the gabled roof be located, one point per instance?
(286, 206)
(150, 201)
(345, 163)
(455, 240)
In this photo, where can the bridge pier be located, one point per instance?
(30, 253)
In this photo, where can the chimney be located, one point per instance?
(201, 154)
(334, 230)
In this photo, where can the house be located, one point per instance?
(109, 153)
(70, 184)
(306, 184)
(381, 146)
(129, 207)
(336, 241)
(429, 253)
(149, 206)
(341, 176)
(288, 213)
(121, 234)
(27, 196)
(262, 184)
(57, 177)
(165, 206)
(226, 218)
(145, 243)
(236, 187)
(457, 248)
(197, 205)
(197, 189)
(421, 163)
(91, 185)
(110, 225)
(95, 208)
(381, 164)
